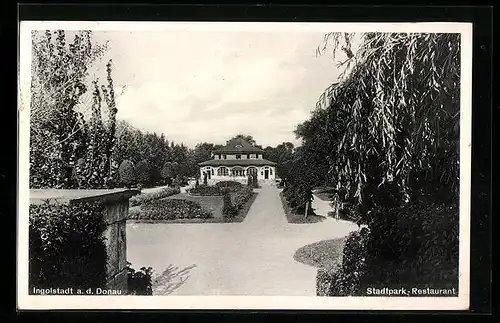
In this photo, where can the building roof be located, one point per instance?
(238, 145)
(237, 162)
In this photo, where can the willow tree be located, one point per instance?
(393, 119)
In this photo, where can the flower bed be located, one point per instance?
(142, 198)
(204, 190)
(169, 209)
(240, 197)
(230, 185)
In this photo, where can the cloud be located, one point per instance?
(208, 86)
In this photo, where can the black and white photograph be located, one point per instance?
(258, 165)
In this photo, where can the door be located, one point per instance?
(266, 174)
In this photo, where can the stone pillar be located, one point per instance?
(116, 203)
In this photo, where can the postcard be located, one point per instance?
(239, 165)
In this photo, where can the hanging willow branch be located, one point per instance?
(396, 111)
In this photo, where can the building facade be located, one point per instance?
(235, 162)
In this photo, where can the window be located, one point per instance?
(239, 146)
(237, 171)
(248, 156)
(270, 171)
(222, 171)
(225, 157)
(238, 156)
(251, 171)
(213, 171)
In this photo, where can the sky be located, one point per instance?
(207, 86)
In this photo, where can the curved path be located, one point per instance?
(254, 257)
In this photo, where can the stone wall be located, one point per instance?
(115, 216)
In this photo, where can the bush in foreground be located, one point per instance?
(169, 209)
(414, 245)
(142, 198)
(66, 246)
(139, 282)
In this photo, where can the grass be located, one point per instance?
(325, 196)
(295, 218)
(209, 203)
(326, 254)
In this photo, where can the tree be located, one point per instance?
(169, 171)
(203, 152)
(60, 133)
(127, 174)
(393, 119)
(247, 138)
(58, 82)
(143, 171)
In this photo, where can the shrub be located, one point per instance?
(169, 170)
(126, 173)
(165, 192)
(240, 197)
(144, 172)
(197, 183)
(204, 190)
(346, 278)
(413, 245)
(139, 282)
(230, 185)
(228, 209)
(169, 209)
(66, 246)
(177, 181)
(255, 181)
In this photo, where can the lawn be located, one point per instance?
(294, 218)
(324, 254)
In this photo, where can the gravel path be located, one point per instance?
(254, 257)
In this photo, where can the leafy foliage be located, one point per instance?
(126, 173)
(146, 197)
(240, 197)
(66, 246)
(139, 282)
(203, 190)
(232, 186)
(169, 209)
(61, 135)
(144, 173)
(395, 116)
(228, 209)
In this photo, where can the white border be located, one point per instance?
(26, 301)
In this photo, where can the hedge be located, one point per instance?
(228, 208)
(169, 209)
(230, 185)
(139, 282)
(414, 245)
(240, 197)
(66, 246)
(142, 198)
(204, 190)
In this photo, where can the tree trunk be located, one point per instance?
(307, 209)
